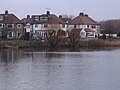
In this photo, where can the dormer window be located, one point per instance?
(1, 17)
(36, 18)
(44, 18)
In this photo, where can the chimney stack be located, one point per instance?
(28, 16)
(86, 15)
(6, 12)
(48, 12)
(81, 14)
(60, 16)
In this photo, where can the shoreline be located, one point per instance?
(8, 44)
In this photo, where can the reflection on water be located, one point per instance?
(64, 70)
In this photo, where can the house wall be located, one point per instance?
(82, 33)
(107, 35)
(84, 26)
(39, 30)
(28, 27)
(81, 26)
(54, 27)
(13, 30)
(1, 25)
(70, 27)
(85, 34)
(65, 27)
(96, 28)
(37, 27)
(91, 34)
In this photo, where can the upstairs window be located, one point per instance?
(19, 26)
(1, 17)
(1, 26)
(36, 18)
(36, 25)
(44, 18)
(28, 26)
(93, 26)
(10, 26)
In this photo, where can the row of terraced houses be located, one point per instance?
(37, 25)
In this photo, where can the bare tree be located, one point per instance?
(74, 37)
(111, 26)
(55, 37)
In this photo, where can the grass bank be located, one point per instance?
(81, 43)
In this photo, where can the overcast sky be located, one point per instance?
(96, 9)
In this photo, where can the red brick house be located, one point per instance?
(45, 22)
(83, 21)
(10, 26)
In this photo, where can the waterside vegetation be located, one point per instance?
(64, 42)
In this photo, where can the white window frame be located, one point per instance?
(11, 25)
(36, 25)
(19, 25)
(1, 17)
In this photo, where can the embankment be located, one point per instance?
(81, 43)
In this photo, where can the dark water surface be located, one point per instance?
(46, 70)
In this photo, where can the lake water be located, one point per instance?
(60, 70)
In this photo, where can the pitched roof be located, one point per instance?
(66, 20)
(9, 18)
(53, 19)
(27, 20)
(49, 19)
(82, 19)
(89, 30)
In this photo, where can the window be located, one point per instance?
(10, 34)
(10, 25)
(19, 26)
(93, 26)
(36, 18)
(45, 25)
(74, 26)
(42, 25)
(45, 18)
(1, 25)
(36, 25)
(1, 17)
(63, 25)
(28, 26)
(87, 26)
(90, 33)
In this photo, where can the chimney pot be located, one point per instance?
(60, 16)
(48, 12)
(6, 12)
(81, 14)
(28, 16)
(86, 15)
